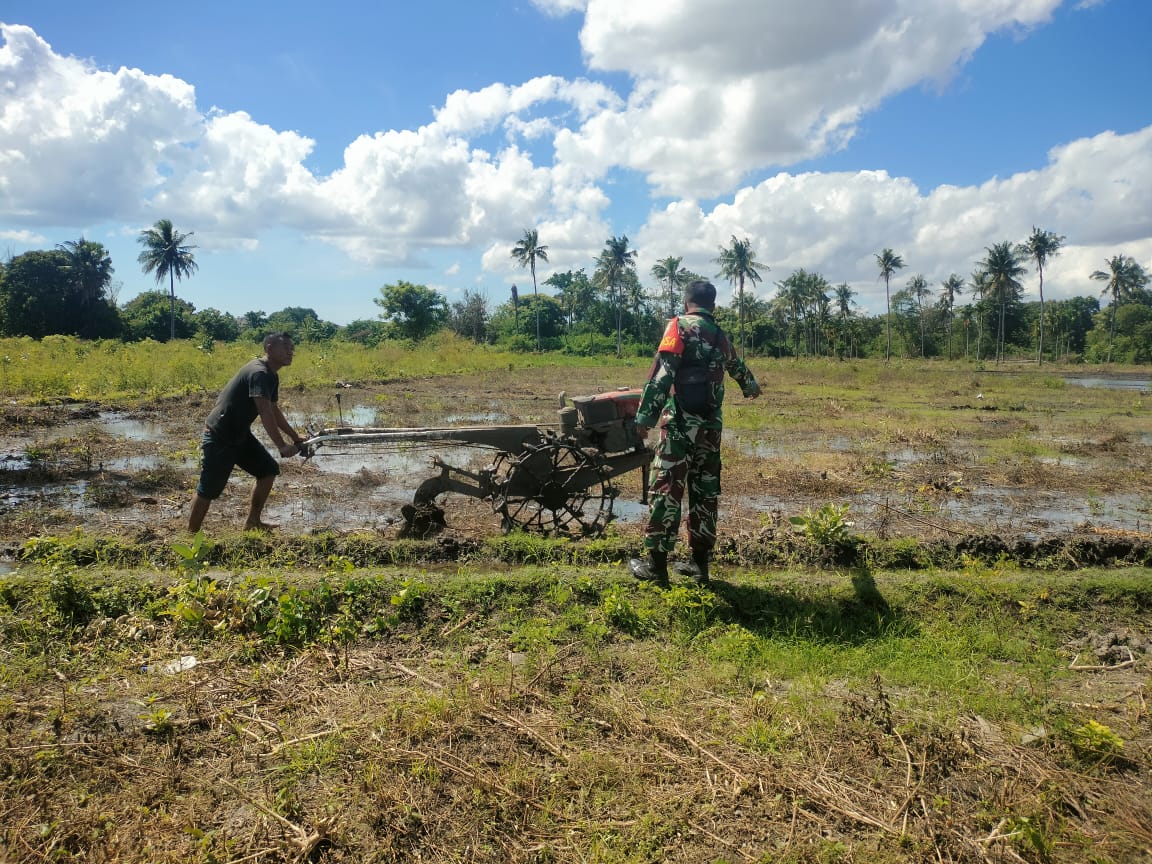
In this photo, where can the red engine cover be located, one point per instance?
(605, 407)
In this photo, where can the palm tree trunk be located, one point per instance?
(1040, 341)
(887, 323)
(536, 305)
(920, 308)
(620, 321)
(1000, 339)
(171, 304)
(741, 316)
(1112, 329)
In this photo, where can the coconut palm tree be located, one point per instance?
(167, 253)
(1040, 247)
(614, 261)
(793, 295)
(89, 268)
(888, 262)
(980, 289)
(737, 264)
(1003, 268)
(1123, 277)
(669, 271)
(949, 288)
(842, 296)
(918, 288)
(527, 252)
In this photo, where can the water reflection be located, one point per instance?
(1113, 383)
(121, 425)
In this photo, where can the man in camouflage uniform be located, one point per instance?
(690, 365)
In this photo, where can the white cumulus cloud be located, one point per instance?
(725, 87)
(80, 141)
(834, 223)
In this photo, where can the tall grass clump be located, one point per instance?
(64, 367)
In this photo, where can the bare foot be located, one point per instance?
(265, 527)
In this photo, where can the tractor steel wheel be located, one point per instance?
(553, 489)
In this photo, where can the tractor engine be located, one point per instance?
(604, 422)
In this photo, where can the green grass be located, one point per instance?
(393, 712)
(961, 636)
(59, 367)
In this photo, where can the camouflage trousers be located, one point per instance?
(688, 458)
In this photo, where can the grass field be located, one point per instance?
(556, 713)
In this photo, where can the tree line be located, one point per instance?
(69, 290)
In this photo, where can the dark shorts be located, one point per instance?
(219, 458)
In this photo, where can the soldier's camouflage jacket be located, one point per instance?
(690, 364)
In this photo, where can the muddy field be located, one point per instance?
(993, 454)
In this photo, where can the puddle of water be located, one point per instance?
(996, 510)
(1053, 511)
(14, 462)
(146, 462)
(486, 418)
(899, 456)
(409, 463)
(368, 415)
(64, 496)
(121, 425)
(357, 415)
(756, 447)
(1065, 461)
(1112, 383)
(627, 508)
(840, 444)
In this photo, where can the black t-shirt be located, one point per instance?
(235, 408)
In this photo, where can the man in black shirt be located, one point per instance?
(228, 440)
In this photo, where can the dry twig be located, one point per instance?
(1131, 661)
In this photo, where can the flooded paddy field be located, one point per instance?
(911, 451)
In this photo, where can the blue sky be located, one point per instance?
(319, 156)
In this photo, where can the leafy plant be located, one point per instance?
(1029, 834)
(293, 622)
(621, 614)
(1097, 741)
(71, 602)
(157, 721)
(408, 602)
(693, 607)
(191, 556)
(827, 527)
(196, 602)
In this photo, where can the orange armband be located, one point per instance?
(673, 342)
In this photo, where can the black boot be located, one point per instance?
(655, 569)
(700, 559)
(697, 568)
